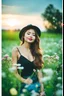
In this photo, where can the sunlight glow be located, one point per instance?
(12, 22)
(19, 21)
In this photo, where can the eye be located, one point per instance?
(28, 33)
(33, 34)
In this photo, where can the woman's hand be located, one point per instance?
(28, 81)
(42, 93)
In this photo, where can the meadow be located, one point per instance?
(51, 45)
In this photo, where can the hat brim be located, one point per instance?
(37, 30)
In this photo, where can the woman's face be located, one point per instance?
(29, 36)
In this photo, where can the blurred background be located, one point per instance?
(47, 15)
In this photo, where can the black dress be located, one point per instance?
(29, 71)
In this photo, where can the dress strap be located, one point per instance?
(18, 50)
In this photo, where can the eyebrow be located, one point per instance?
(30, 32)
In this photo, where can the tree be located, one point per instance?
(52, 19)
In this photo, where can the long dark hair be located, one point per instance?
(36, 51)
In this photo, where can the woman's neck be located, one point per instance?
(26, 45)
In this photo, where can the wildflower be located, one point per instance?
(57, 57)
(26, 86)
(34, 70)
(36, 86)
(13, 91)
(48, 71)
(21, 67)
(9, 58)
(45, 56)
(6, 56)
(3, 58)
(58, 85)
(17, 65)
(55, 53)
(24, 90)
(37, 70)
(12, 69)
(59, 78)
(34, 93)
(3, 74)
(22, 95)
(44, 79)
(59, 92)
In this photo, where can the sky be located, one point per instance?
(18, 13)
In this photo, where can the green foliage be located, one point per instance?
(8, 78)
(54, 17)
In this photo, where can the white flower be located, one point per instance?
(53, 17)
(34, 70)
(59, 93)
(17, 64)
(57, 57)
(48, 72)
(58, 85)
(36, 85)
(59, 78)
(37, 70)
(12, 69)
(55, 53)
(21, 68)
(45, 79)
(3, 58)
(22, 95)
(24, 90)
(45, 56)
(34, 93)
(26, 86)
(6, 56)
(3, 74)
(9, 58)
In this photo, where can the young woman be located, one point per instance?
(29, 55)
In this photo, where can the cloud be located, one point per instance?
(22, 20)
(12, 9)
(30, 9)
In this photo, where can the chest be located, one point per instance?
(26, 54)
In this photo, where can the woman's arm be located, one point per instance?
(14, 61)
(40, 77)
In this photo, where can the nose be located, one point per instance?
(30, 36)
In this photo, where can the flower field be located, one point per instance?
(51, 45)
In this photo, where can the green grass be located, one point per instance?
(14, 35)
(10, 35)
(50, 35)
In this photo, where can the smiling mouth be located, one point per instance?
(30, 39)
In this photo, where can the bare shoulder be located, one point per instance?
(15, 50)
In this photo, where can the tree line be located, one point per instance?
(52, 19)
